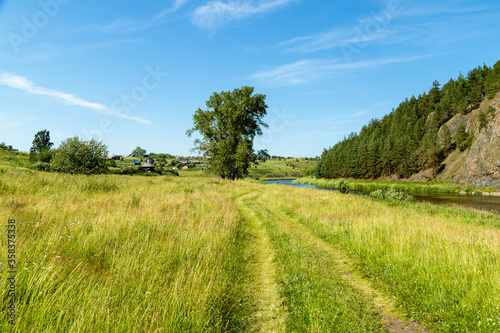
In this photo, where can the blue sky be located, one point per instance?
(132, 73)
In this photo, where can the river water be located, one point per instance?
(488, 203)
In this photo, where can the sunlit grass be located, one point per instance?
(122, 254)
(181, 254)
(444, 267)
(415, 187)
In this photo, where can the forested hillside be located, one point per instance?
(414, 136)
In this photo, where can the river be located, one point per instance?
(488, 203)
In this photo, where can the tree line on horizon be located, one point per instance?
(414, 136)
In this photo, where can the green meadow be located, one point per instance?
(194, 253)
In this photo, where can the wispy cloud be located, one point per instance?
(314, 69)
(295, 73)
(218, 12)
(333, 39)
(368, 29)
(126, 25)
(21, 83)
(109, 44)
(396, 22)
(178, 4)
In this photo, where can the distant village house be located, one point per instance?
(148, 165)
(114, 157)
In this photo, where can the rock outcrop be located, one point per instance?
(478, 166)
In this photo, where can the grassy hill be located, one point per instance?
(282, 168)
(11, 161)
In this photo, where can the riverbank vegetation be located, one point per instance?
(412, 187)
(415, 136)
(195, 253)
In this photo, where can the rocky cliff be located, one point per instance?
(479, 165)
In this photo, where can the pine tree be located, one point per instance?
(461, 137)
(445, 138)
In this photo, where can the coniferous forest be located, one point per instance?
(414, 136)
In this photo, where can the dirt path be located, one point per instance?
(393, 319)
(270, 315)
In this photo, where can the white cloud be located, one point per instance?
(178, 4)
(218, 12)
(19, 82)
(314, 69)
(367, 29)
(125, 25)
(294, 73)
(396, 22)
(334, 38)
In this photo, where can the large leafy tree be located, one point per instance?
(41, 145)
(138, 151)
(78, 156)
(228, 127)
(263, 155)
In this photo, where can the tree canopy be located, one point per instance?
(78, 156)
(263, 155)
(138, 151)
(41, 144)
(414, 136)
(228, 127)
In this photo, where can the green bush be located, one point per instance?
(40, 166)
(392, 194)
(45, 155)
(343, 186)
(76, 156)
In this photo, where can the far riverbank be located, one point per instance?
(410, 187)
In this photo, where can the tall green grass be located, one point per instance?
(443, 268)
(92, 257)
(316, 297)
(117, 253)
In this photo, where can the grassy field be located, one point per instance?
(194, 253)
(415, 187)
(281, 168)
